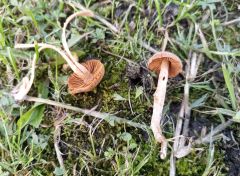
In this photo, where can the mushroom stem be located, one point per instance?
(81, 68)
(159, 98)
(75, 66)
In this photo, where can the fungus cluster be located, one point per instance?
(87, 75)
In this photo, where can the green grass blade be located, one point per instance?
(157, 4)
(13, 62)
(229, 84)
(2, 36)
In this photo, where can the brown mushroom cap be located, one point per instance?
(76, 84)
(175, 64)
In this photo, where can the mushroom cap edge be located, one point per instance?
(175, 66)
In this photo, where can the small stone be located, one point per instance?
(133, 71)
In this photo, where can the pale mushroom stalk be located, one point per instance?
(166, 65)
(159, 98)
(72, 63)
(85, 74)
(22, 89)
(92, 70)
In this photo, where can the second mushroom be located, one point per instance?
(86, 75)
(166, 65)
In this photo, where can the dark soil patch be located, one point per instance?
(232, 153)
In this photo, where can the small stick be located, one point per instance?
(172, 165)
(165, 41)
(178, 127)
(179, 123)
(56, 136)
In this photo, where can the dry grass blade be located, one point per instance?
(105, 22)
(101, 115)
(227, 23)
(179, 148)
(193, 69)
(56, 137)
(208, 137)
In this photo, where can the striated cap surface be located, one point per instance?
(77, 85)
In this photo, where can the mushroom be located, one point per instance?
(88, 74)
(165, 64)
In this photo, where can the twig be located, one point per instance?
(56, 137)
(178, 127)
(191, 72)
(101, 115)
(181, 112)
(75, 169)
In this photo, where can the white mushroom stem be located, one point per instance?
(75, 66)
(81, 68)
(22, 89)
(159, 98)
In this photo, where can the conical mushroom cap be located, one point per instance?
(77, 85)
(175, 64)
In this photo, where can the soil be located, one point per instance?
(231, 150)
